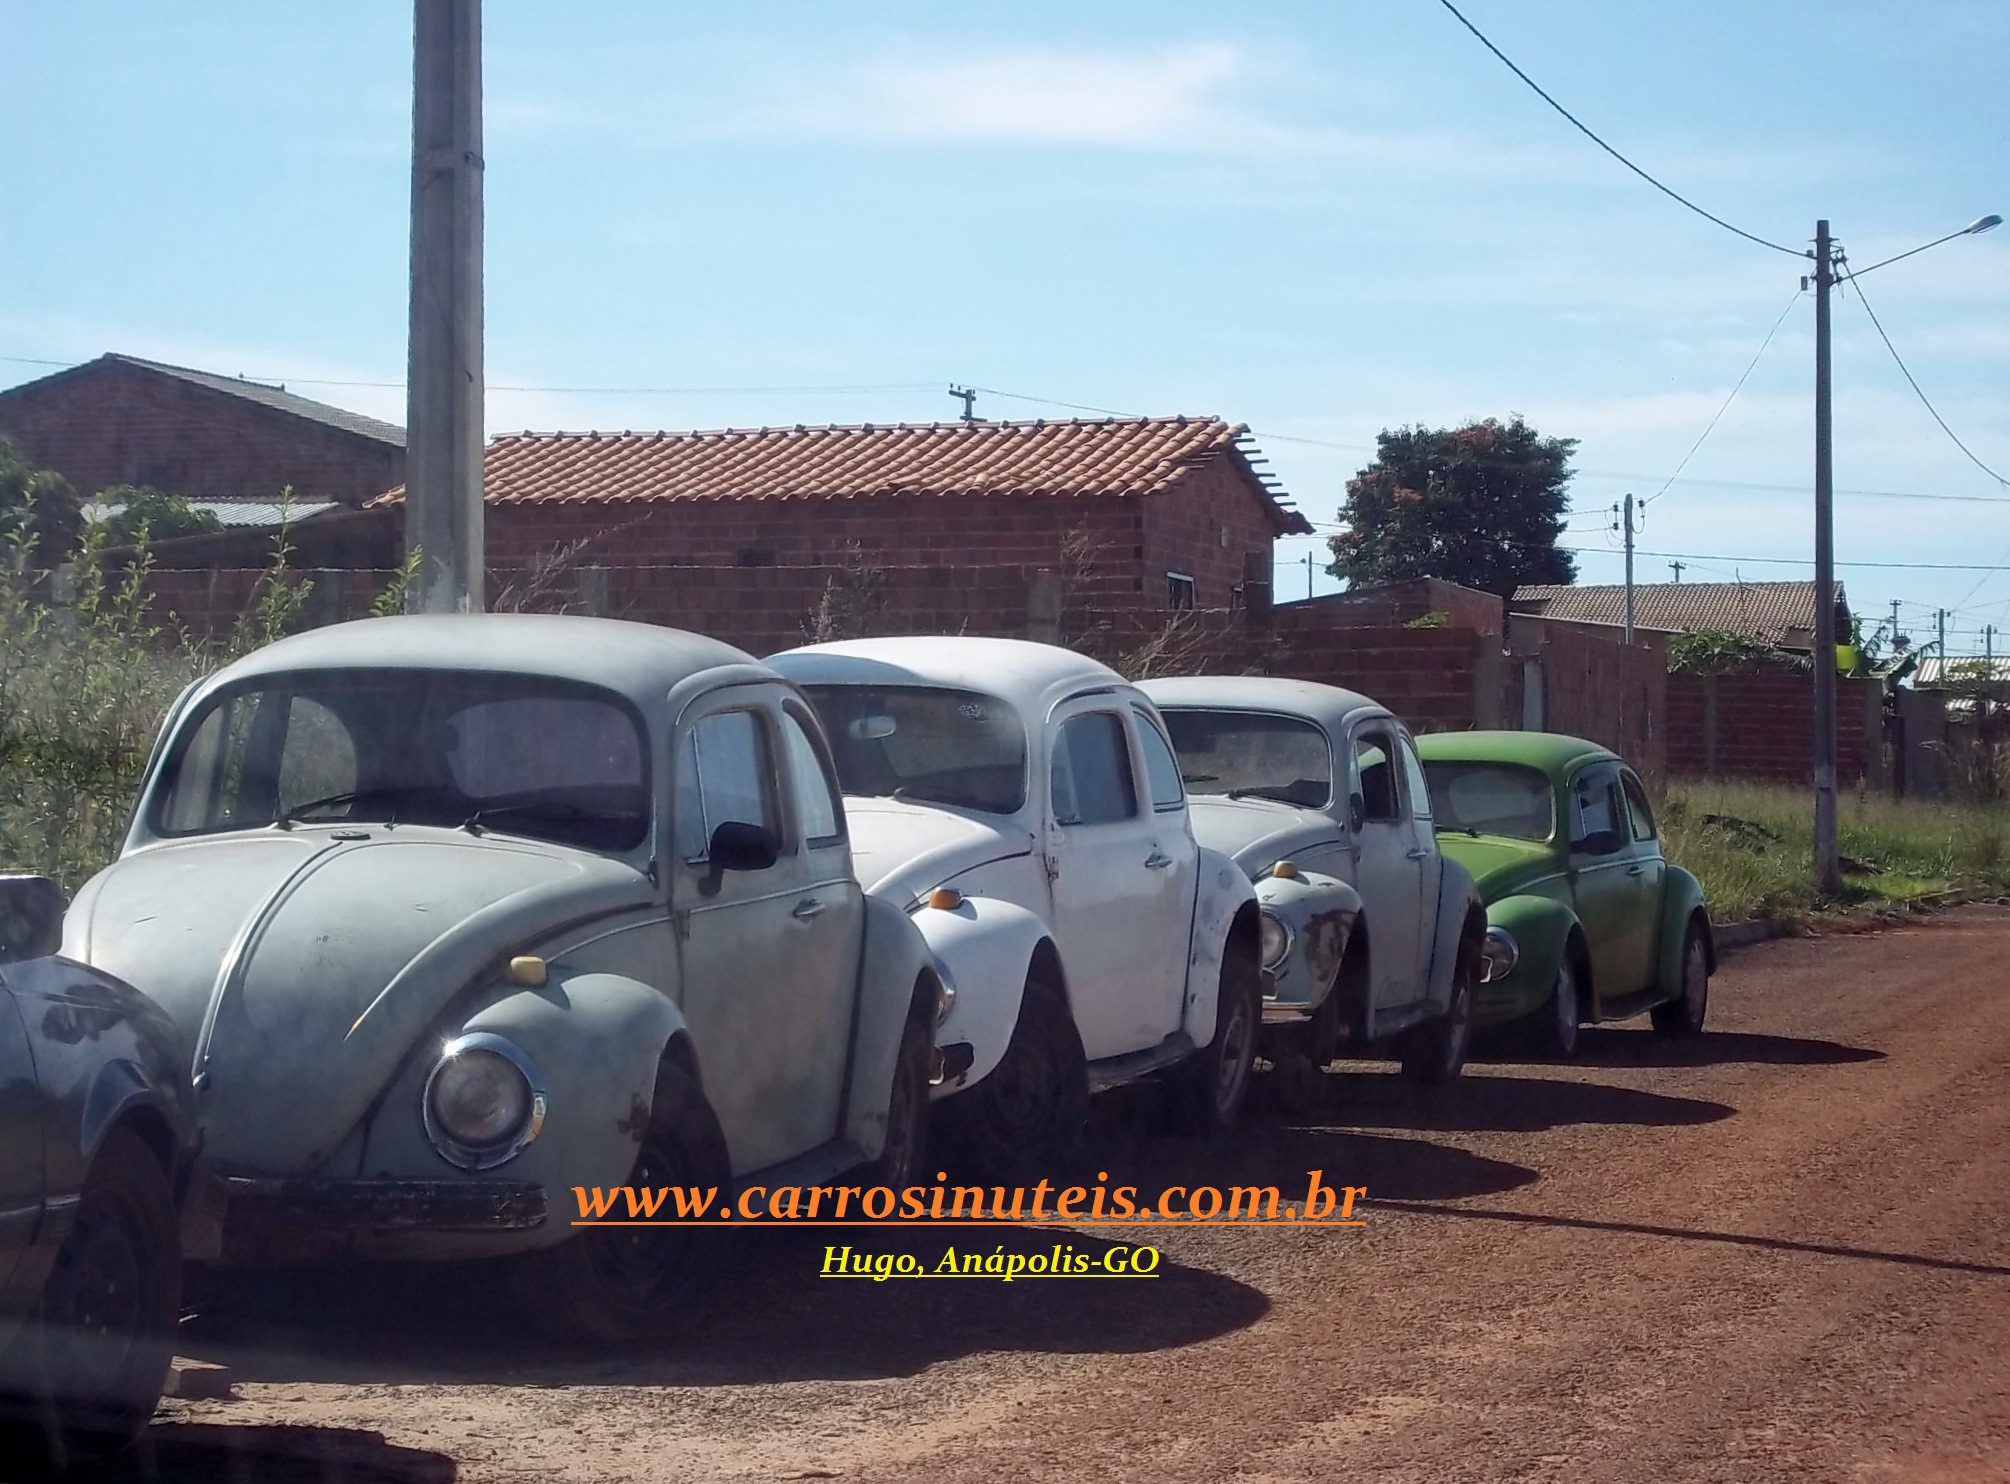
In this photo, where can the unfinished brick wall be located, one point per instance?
(1760, 724)
(1594, 687)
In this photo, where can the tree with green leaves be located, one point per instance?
(40, 515)
(1482, 506)
(137, 508)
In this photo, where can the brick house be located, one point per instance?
(1778, 614)
(1151, 513)
(225, 443)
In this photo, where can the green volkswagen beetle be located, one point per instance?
(1586, 920)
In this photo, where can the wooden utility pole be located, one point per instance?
(443, 393)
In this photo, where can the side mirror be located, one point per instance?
(1357, 811)
(1598, 842)
(31, 918)
(738, 846)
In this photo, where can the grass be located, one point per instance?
(1751, 846)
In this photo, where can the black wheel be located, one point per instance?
(1436, 1050)
(1683, 1017)
(624, 1284)
(905, 1155)
(1026, 1117)
(1557, 1024)
(1209, 1090)
(86, 1373)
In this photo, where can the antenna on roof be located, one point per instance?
(967, 395)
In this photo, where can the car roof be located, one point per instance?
(1329, 705)
(1029, 676)
(640, 661)
(1552, 752)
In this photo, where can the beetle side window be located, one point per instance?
(1376, 771)
(1413, 780)
(1595, 807)
(1092, 780)
(724, 775)
(810, 782)
(1161, 770)
(1636, 807)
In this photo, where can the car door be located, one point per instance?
(769, 955)
(1648, 868)
(1607, 883)
(21, 1134)
(1116, 877)
(1424, 850)
(1172, 843)
(1388, 868)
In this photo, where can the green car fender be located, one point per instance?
(1540, 927)
(1681, 900)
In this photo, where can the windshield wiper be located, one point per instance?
(299, 812)
(556, 813)
(1262, 791)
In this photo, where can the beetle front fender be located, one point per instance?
(896, 967)
(1681, 899)
(1320, 913)
(1222, 893)
(986, 945)
(1540, 927)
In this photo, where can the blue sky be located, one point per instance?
(1321, 219)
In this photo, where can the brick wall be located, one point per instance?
(1400, 602)
(1593, 686)
(1207, 525)
(108, 423)
(1760, 724)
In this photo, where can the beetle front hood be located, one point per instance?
(1257, 833)
(302, 966)
(1500, 866)
(901, 849)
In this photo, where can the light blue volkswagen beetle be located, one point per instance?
(455, 914)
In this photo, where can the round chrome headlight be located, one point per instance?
(483, 1101)
(1275, 941)
(1499, 953)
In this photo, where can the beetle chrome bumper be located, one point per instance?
(297, 1218)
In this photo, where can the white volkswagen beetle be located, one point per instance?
(1314, 789)
(1023, 805)
(455, 914)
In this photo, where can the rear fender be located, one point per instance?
(1222, 894)
(1320, 913)
(1681, 899)
(986, 947)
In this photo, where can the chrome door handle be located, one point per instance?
(809, 907)
(1418, 854)
(1635, 869)
(1158, 860)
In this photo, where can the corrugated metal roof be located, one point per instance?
(240, 515)
(276, 397)
(1119, 457)
(1767, 611)
(1932, 671)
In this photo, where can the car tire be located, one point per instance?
(1435, 1051)
(1209, 1090)
(1025, 1119)
(635, 1284)
(1558, 1023)
(905, 1155)
(1681, 1018)
(96, 1352)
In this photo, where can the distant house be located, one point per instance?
(229, 445)
(1157, 513)
(1779, 614)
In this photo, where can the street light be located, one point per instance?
(1828, 865)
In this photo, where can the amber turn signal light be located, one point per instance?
(1285, 869)
(527, 969)
(945, 899)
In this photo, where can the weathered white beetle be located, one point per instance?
(1372, 935)
(1022, 803)
(455, 914)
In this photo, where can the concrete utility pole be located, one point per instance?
(443, 394)
(1626, 525)
(1894, 625)
(1676, 568)
(967, 395)
(1940, 640)
(1828, 865)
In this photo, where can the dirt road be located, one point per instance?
(1782, 1252)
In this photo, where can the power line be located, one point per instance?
(1740, 386)
(1796, 561)
(1587, 133)
(1910, 381)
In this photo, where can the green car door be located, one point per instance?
(1615, 882)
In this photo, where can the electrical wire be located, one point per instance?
(1588, 134)
(1740, 386)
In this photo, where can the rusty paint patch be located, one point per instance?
(1325, 943)
(636, 1124)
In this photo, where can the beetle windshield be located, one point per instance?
(1492, 799)
(515, 754)
(929, 743)
(1252, 754)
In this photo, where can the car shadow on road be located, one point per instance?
(771, 1317)
(208, 1453)
(1606, 1047)
(1482, 1103)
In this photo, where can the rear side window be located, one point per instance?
(1636, 807)
(1092, 771)
(1161, 770)
(810, 781)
